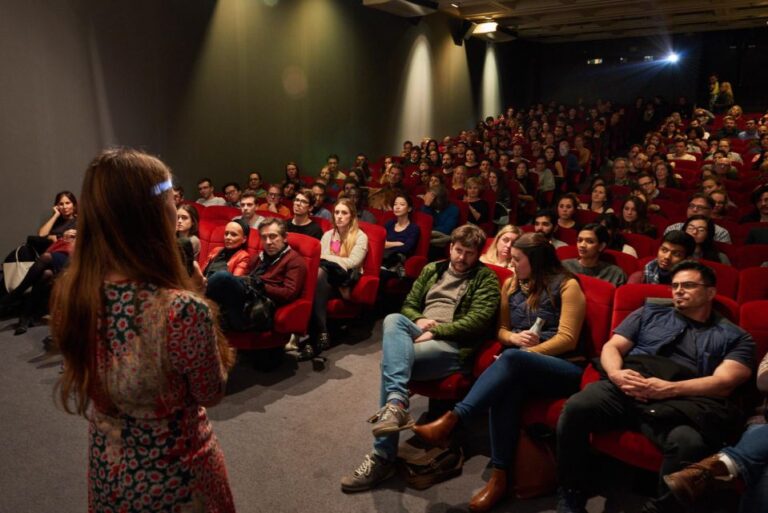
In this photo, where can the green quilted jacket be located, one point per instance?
(475, 317)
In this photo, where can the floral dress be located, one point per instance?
(152, 447)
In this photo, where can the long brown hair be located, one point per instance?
(545, 266)
(124, 225)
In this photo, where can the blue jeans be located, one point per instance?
(751, 456)
(401, 361)
(503, 388)
(228, 291)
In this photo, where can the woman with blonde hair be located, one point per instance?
(499, 252)
(342, 252)
(143, 355)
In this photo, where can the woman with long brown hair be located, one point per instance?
(143, 355)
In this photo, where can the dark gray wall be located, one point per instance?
(214, 88)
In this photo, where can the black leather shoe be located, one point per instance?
(23, 325)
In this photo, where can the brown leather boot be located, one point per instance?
(495, 490)
(438, 433)
(692, 482)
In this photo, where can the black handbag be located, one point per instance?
(338, 276)
(258, 310)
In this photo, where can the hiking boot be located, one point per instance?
(692, 482)
(372, 471)
(571, 501)
(390, 419)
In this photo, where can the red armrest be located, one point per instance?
(365, 290)
(590, 375)
(293, 317)
(485, 356)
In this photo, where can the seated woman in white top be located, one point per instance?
(342, 252)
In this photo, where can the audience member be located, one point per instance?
(207, 198)
(255, 185)
(499, 252)
(600, 200)
(232, 194)
(653, 355)
(178, 195)
(64, 218)
(591, 242)
(566, 211)
(616, 239)
(187, 225)
(233, 256)
(478, 207)
(342, 252)
(402, 235)
(248, 209)
(634, 218)
(760, 201)
(301, 222)
(702, 229)
(676, 246)
(447, 313)
(273, 204)
(445, 216)
(544, 222)
(381, 199)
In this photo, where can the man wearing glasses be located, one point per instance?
(301, 222)
(669, 373)
(274, 195)
(702, 204)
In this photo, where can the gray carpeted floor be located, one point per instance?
(288, 437)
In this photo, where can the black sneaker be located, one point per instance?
(372, 471)
(571, 501)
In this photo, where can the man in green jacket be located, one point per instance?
(448, 313)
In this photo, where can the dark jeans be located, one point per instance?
(601, 406)
(503, 388)
(228, 291)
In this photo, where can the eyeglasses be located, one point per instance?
(696, 229)
(273, 195)
(301, 200)
(688, 285)
(695, 207)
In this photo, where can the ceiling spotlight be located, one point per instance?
(672, 58)
(486, 28)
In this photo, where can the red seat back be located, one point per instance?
(644, 246)
(751, 255)
(753, 285)
(219, 213)
(595, 332)
(727, 278)
(754, 320)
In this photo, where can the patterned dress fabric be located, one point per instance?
(152, 447)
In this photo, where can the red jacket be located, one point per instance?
(237, 264)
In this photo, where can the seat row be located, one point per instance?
(607, 307)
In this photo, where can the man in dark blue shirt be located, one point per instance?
(663, 367)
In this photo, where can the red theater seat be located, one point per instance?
(753, 285)
(629, 446)
(365, 290)
(290, 318)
